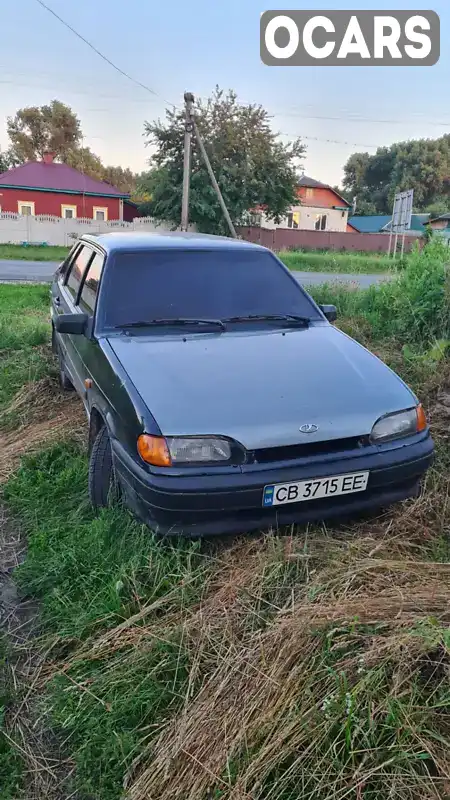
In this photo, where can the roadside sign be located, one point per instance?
(401, 218)
(402, 212)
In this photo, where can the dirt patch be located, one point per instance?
(38, 414)
(47, 771)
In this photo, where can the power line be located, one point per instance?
(69, 90)
(335, 141)
(328, 141)
(105, 58)
(357, 119)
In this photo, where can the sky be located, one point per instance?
(192, 46)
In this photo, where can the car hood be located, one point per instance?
(260, 387)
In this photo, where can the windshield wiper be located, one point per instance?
(291, 319)
(147, 323)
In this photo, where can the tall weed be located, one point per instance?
(413, 308)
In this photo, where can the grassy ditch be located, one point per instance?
(350, 263)
(311, 663)
(33, 252)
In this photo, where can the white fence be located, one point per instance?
(18, 229)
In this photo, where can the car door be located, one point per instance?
(69, 287)
(90, 354)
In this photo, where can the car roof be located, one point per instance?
(137, 240)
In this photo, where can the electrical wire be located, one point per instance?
(329, 141)
(69, 90)
(358, 119)
(105, 58)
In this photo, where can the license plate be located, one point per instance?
(314, 489)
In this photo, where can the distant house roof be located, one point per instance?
(48, 177)
(372, 224)
(441, 216)
(377, 223)
(311, 183)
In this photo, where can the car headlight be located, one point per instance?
(197, 450)
(165, 452)
(400, 424)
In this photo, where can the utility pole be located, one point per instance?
(213, 180)
(188, 103)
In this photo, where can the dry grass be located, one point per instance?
(41, 414)
(318, 663)
(263, 694)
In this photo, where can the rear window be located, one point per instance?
(90, 286)
(77, 270)
(200, 284)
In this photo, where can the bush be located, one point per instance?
(413, 307)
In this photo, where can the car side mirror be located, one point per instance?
(330, 312)
(72, 323)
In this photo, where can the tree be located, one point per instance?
(8, 160)
(252, 166)
(438, 207)
(421, 164)
(36, 129)
(84, 160)
(123, 178)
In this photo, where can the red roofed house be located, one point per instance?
(46, 187)
(320, 208)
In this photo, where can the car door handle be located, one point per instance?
(57, 301)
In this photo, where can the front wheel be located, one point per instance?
(103, 487)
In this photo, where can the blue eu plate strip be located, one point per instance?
(268, 496)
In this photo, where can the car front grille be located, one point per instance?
(268, 455)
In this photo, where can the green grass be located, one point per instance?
(89, 575)
(325, 703)
(33, 252)
(24, 337)
(308, 261)
(357, 709)
(313, 261)
(412, 308)
(11, 767)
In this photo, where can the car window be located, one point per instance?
(77, 268)
(65, 266)
(90, 286)
(204, 284)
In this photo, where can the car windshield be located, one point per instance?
(199, 284)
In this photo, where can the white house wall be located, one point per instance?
(336, 220)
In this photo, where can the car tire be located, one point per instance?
(103, 486)
(64, 380)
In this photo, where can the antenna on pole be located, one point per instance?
(188, 127)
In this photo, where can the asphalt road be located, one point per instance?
(42, 271)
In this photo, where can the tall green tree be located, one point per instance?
(252, 166)
(36, 129)
(8, 160)
(421, 164)
(84, 160)
(123, 178)
(55, 127)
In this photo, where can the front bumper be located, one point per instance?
(231, 501)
